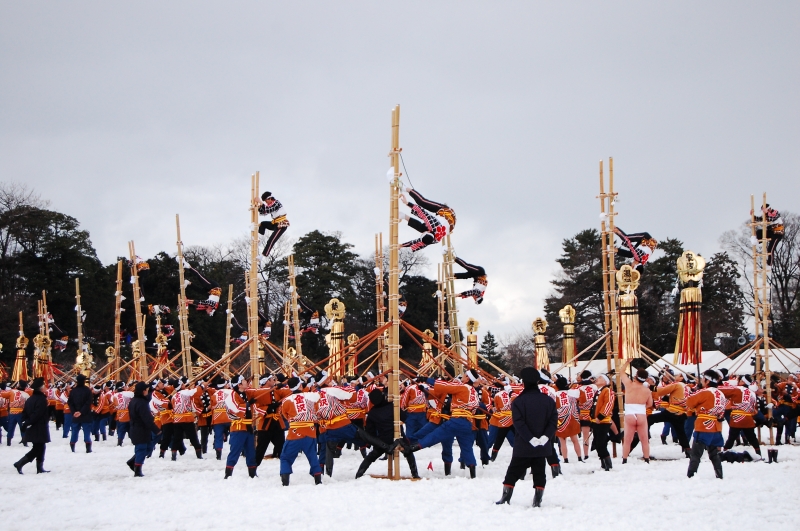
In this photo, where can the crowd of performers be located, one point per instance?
(317, 416)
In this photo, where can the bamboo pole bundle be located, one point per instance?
(256, 352)
(567, 317)
(380, 301)
(393, 346)
(472, 342)
(139, 351)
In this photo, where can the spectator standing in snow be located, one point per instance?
(142, 427)
(35, 419)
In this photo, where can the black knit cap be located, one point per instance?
(376, 397)
(37, 383)
(530, 376)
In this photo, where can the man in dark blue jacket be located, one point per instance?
(535, 421)
(80, 403)
(142, 427)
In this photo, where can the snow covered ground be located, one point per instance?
(97, 491)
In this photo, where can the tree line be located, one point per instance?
(44, 250)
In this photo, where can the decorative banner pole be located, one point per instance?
(335, 311)
(688, 345)
(393, 346)
(629, 338)
(380, 303)
(139, 351)
(426, 364)
(568, 350)
(352, 354)
(298, 336)
(541, 357)
(84, 360)
(20, 371)
(256, 352)
(183, 309)
(472, 342)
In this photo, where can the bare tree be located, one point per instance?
(517, 351)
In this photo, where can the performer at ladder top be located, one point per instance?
(479, 280)
(775, 230)
(638, 247)
(431, 229)
(210, 304)
(269, 205)
(440, 209)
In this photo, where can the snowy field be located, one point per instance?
(97, 491)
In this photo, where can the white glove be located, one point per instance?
(753, 240)
(770, 406)
(674, 292)
(539, 441)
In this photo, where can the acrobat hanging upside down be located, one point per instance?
(479, 280)
(637, 246)
(432, 229)
(269, 205)
(210, 304)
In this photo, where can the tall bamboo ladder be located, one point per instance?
(761, 300)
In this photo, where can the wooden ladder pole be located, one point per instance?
(393, 344)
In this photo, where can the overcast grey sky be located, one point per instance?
(125, 113)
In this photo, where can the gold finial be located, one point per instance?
(539, 325)
(691, 266)
(352, 339)
(472, 325)
(428, 333)
(628, 278)
(110, 353)
(567, 314)
(335, 309)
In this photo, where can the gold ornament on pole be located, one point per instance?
(568, 351)
(20, 371)
(688, 345)
(472, 342)
(335, 311)
(352, 357)
(541, 359)
(629, 338)
(426, 364)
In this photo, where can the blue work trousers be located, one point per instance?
(293, 447)
(415, 422)
(458, 428)
(242, 441)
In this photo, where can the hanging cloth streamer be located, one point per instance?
(568, 351)
(628, 309)
(688, 345)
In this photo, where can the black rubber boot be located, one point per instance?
(329, 455)
(775, 455)
(198, 452)
(88, 448)
(412, 466)
(72, 447)
(285, 480)
(447, 468)
(362, 469)
(664, 440)
(161, 454)
(174, 455)
(252, 471)
(694, 459)
(461, 465)
(40, 467)
(716, 460)
(537, 497)
(219, 454)
(471, 471)
(555, 470)
(228, 471)
(137, 471)
(131, 462)
(494, 455)
(318, 479)
(506, 497)
(21, 463)
(609, 463)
